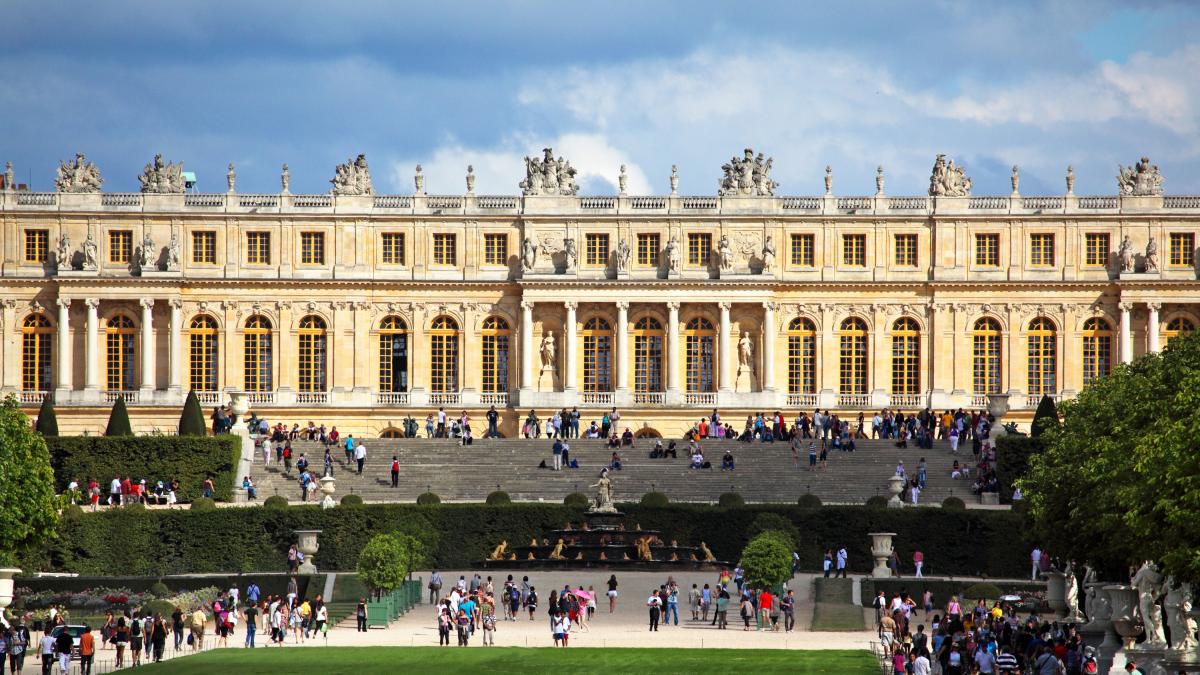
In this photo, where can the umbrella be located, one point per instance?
(581, 594)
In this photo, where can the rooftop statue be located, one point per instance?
(548, 176)
(1140, 180)
(747, 176)
(165, 178)
(353, 178)
(948, 180)
(78, 176)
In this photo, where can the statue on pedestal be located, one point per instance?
(528, 254)
(746, 353)
(674, 257)
(548, 176)
(724, 254)
(570, 253)
(1148, 583)
(1071, 593)
(173, 252)
(470, 179)
(623, 255)
(549, 351)
(604, 494)
(62, 255)
(285, 179)
(498, 552)
(747, 176)
(79, 176)
(1125, 254)
(90, 253)
(557, 553)
(146, 259)
(1140, 180)
(1178, 604)
(1152, 255)
(948, 180)
(160, 177)
(353, 178)
(768, 255)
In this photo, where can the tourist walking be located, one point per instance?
(655, 604)
(841, 563)
(612, 593)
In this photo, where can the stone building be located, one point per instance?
(359, 309)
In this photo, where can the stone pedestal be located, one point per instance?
(239, 405)
(881, 550)
(6, 586)
(1150, 659)
(1125, 621)
(328, 486)
(1099, 609)
(1056, 592)
(307, 544)
(896, 488)
(746, 381)
(548, 380)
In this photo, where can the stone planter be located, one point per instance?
(895, 487)
(307, 544)
(1099, 610)
(881, 550)
(6, 586)
(328, 487)
(1124, 617)
(998, 408)
(1056, 592)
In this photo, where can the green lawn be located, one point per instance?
(367, 660)
(835, 616)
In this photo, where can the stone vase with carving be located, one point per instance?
(1056, 591)
(307, 544)
(998, 408)
(881, 550)
(6, 586)
(895, 488)
(1124, 617)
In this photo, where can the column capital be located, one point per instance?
(622, 305)
(1125, 306)
(725, 306)
(527, 305)
(770, 306)
(92, 303)
(673, 305)
(175, 303)
(146, 303)
(571, 305)
(63, 303)
(1153, 306)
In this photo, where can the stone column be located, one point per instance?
(1152, 327)
(526, 346)
(148, 351)
(673, 348)
(63, 372)
(175, 351)
(726, 372)
(1126, 343)
(622, 346)
(569, 344)
(768, 349)
(91, 373)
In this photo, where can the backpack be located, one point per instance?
(1089, 665)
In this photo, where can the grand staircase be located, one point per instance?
(764, 471)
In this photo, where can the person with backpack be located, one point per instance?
(395, 471)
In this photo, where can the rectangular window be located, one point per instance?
(1095, 249)
(647, 252)
(204, 248)
(987, 250)
(699, 246)
(906, 250)
(258, 248)
(445, 249)
(854, 250)
(312, 248)
(1183, 249)
(393, 248)
(1041, 250)
(120, 246)
(37, 246)
(495, 249)
(802, 250)
(596, 253)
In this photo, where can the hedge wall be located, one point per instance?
(270, 584)
(120, 541)
(188, 459)
(1012, 461)
(941, 589)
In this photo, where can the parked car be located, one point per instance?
(76, 632)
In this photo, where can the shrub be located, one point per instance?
(187, 459)
(203, 504)
(47, 421)
(159, 590)
(954, 503)
(809, 501)
(577, 500)
(767, 560)
(118, 420)
(877, 502)
(1012, 460)
(775, 522)
(1045, 418)
(428, 499)
(498, 498)
(275, 502)
(351, 500)
(387, 559)
(162, 608)
(730, 500)
(982, 591)
(655, 500)
(72, 511)
(135, 507)
(191, 422)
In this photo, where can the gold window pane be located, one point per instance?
(699, 245)
(647, 250)
(596, 250)
(987, 250)
(854, 250)
(985, 341)
(393, 248)
(120, 247)
(312, 248)
(445, 249)
(802, 254)
(37, 246)
(906, 250)
(35, 353)
(1095, 249)
(258, 248)
(1183, 249)
(495, 249)
(204, 249)
(1041, 250)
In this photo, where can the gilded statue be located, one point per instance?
(557, 553)
(499, 551)
(708, 556)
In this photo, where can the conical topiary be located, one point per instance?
(191, 422)
(47, 421)
(118, 421)
(1045, 417)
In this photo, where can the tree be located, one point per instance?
(1045, 418)
(388, 559)
(47, 421)
(1116, 483)
(118, 420)
(28, 506)
(191, 422)
(767, 559)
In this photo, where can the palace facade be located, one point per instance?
(358, 309)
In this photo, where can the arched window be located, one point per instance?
(647, 355)
(802, 359)
(1043, 357)
(202, 354)
(1176, 327)
(597, 355)
(906, 356)
(852, 356)
(495, 354)
(393, 355)
(1097, 350)
(443, 355)
(35, 353)
(985, 356)
(391, 433)
(700, 339)
(311, 360)
(119, 349)
(257, 354)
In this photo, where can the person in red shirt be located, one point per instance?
(87, 651)
(765, 601)
(127, 491)
(93, 493)
(395, 471)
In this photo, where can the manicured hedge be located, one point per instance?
(273, 584)
(941, 589)
(1012, 461)
(984, 543)
(188, 459)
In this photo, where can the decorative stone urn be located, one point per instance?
(239, 405)
(328, 487)
(1125, 622)
(998, 407)
(6, 586)
(881, 550)
(896, 487)
(1099, 609)
(1056, 592)
(307, 544)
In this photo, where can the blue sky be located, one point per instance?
(648, 84)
